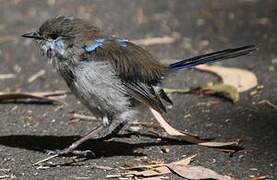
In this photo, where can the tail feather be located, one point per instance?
(212, 57)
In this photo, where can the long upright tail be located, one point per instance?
(212, 57)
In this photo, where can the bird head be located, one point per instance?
(57, 35)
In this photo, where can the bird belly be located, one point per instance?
(97, 87)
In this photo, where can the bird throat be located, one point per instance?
(54, 48)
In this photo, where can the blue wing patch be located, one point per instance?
(99, 42)
(122, 42)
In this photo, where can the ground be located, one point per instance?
(28, 129)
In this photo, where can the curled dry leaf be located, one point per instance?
(49, 97)
(242, 79)
(175, 134)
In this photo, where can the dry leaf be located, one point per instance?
(45, 96)
(106, 168)
(224, 146)
(154, 169)
(252, 177)
(181, 167)
(218, 90)
(169, 129)
(242, 79)
(196, 172)
(221, 90)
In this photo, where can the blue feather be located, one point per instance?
(212, 57)
(99, 42)
(96, 44)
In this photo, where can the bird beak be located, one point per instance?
(33, 35)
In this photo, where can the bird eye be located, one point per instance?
(53, 36)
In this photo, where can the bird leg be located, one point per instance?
(93, 134)
(99, 132)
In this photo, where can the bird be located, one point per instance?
(113, 77)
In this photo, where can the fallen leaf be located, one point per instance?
(49, 97)
(169, 129)
(106, 168)
(221, 90)
(226, 91)
(7, 76)
(196, 172)
(252, 177)
(154, 169)
(177, 135)
(181, 168)
(185, 161)
(242, 79)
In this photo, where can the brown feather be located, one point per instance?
(132, 62)
(138, 70)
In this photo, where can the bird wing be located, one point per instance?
(137, 68)
(130, 61)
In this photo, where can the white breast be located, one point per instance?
(97, 86)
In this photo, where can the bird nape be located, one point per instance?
(111, 76)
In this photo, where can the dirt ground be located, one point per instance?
(27, 129)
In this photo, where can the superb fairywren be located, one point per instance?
(111, 76)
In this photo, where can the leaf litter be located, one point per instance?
(181, 168)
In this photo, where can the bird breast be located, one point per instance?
(99, 88)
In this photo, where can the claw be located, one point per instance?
(56, 153)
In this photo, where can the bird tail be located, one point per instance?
(212, 57)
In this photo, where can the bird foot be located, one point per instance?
(56, 153)
(67, 151)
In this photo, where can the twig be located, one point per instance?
(268, 103)
(84, 117)
(46, 159)
(36, 76)
(7, 76)
(46, 96)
